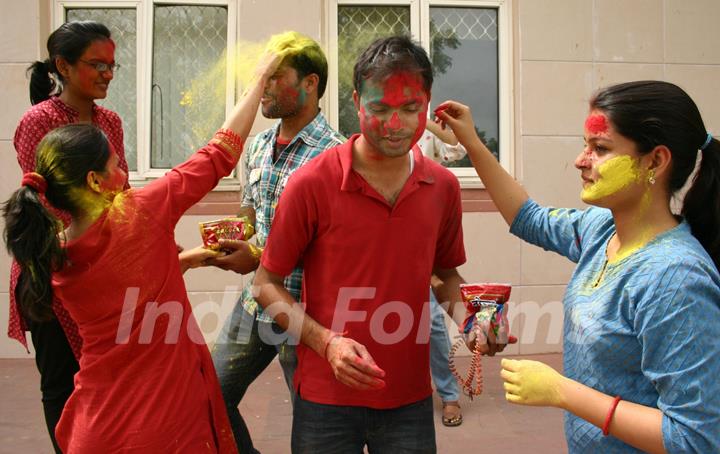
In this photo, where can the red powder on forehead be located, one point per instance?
(394, 122)
(402, 87)
(596, 124)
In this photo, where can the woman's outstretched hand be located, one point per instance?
(459, 118)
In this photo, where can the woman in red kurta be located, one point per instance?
(77, 52)
(146, 381)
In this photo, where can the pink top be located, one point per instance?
(34, 125)
(146, 382)
(367, 268)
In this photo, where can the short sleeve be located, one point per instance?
(678, 325)
(293, 228)
(450, 249)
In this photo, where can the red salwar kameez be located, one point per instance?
(146, 382)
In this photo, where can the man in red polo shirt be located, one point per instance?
(371, 220)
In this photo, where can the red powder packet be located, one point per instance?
(486, 309)
(225, 229)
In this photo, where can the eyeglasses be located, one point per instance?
(102, 67)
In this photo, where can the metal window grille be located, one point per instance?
(122, 96)
(358, 26)
(189, 43)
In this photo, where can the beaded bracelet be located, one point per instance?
(609, 417)
(474, 372)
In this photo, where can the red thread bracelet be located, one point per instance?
(327, 342)
(609, 417)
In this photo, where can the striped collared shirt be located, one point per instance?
(265, 181)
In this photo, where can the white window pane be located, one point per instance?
(358, 26)
(464, 53)
(122, 95)
(188, 41)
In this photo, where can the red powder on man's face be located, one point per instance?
(401, 104)
(597, 124)
(394, 122)
(401, 88)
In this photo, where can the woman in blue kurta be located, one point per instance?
(642, 309)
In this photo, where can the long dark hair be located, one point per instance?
(65, 156)
(652, 113)
(69, 41)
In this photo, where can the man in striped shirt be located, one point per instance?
(250, 340)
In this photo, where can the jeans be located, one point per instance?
(243, 350)
(445, 384)
(57, 366)
(334, 429)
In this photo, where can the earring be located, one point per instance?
(651, 178)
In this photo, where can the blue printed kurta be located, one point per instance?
(646, 328)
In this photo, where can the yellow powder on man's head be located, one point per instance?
(290, 43)
(209, 88)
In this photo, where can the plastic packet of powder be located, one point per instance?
(225, 229)
(486, 309)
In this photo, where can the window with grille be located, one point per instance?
(122, 96)
(165, 50)
(468, 43)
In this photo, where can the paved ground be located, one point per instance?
(491, 425)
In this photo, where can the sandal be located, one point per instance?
(451, 414)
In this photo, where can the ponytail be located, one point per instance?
(42, 84)
(701, 207)
(64, 158)
(31, 238)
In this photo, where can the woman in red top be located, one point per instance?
(146, 382)
(82, 59)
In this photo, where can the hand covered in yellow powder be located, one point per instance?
(532, 383)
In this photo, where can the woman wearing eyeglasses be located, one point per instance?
(63, 90)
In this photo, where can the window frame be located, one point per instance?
(420, 31)
(144, 10)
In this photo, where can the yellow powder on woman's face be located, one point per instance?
(615, 174)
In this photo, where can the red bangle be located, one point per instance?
(230, 139)
(609, 417)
